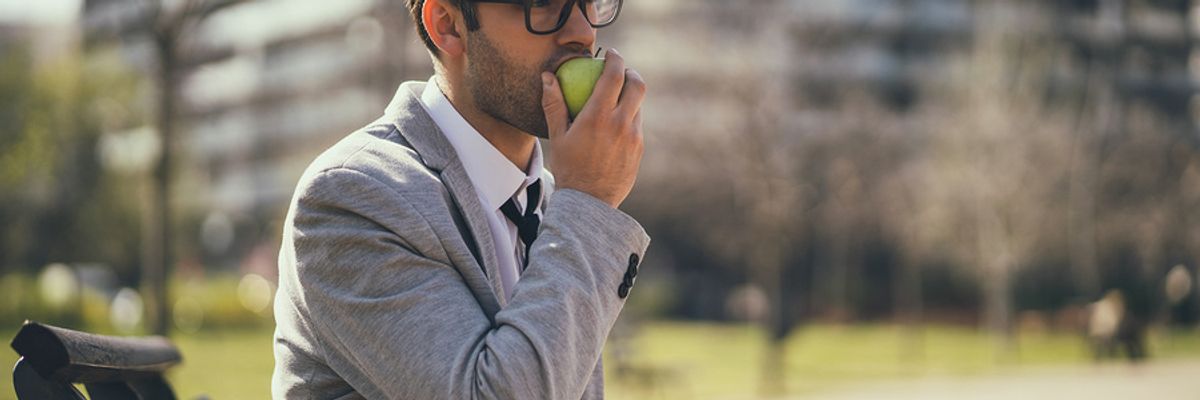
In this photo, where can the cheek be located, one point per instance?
(521, 52)
(524, 50)
(530, 60)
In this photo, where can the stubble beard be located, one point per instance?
(504, 89)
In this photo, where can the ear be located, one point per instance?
(440, 21)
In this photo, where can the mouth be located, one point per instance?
(563, 60)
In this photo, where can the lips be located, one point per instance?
(563, 60)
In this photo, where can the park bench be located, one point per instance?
(54, 359)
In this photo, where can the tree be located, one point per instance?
(57, 201)
(170, 26)
(1004, 157)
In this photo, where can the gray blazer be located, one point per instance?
(389, 289)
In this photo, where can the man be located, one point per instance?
(429, 255)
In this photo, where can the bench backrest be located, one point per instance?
(53, 359)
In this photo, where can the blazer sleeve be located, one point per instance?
(395, 321)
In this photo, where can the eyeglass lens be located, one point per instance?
(545, 15)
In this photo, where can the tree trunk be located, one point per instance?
(995, 257)
(998, 309)
(159, 255)
(907, 295)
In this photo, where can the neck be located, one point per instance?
(515, 145)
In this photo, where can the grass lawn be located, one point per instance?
(678, 360)
(706, 361)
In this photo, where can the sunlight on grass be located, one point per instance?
(231, 364)
(689, 360)
(699, 360)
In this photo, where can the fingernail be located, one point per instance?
(614, 51)
(545, 79)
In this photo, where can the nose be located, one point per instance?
(577, 30)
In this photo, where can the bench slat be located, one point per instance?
(30, 385)
(66, 355)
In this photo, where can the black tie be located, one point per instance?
(527, 225)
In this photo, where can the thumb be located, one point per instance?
(554, 106)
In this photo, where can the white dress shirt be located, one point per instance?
(495, 178)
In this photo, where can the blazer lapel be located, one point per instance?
(427, 139)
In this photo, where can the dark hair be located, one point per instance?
(468, 11)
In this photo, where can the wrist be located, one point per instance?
(609, 199)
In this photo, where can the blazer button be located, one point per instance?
(629, 280)
(633, 265)
(623, 290)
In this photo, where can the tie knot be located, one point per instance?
(533, 196)
(528, 222)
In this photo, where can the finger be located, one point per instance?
(637, 127)
(608, 87)
(553, 106)
(639, 138)
(632, 95)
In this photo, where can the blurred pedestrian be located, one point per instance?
(1113, 329)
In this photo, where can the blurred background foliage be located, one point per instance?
(838, 191)
(59, 202)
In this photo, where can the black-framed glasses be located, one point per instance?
(543, 17)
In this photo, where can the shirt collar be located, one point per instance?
(496, 179)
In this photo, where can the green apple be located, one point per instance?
(578, 77)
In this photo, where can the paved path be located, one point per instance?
(1156, 380)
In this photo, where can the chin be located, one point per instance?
(536, 129)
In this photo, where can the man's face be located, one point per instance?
(505, 62)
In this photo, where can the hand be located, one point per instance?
(600, 152)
